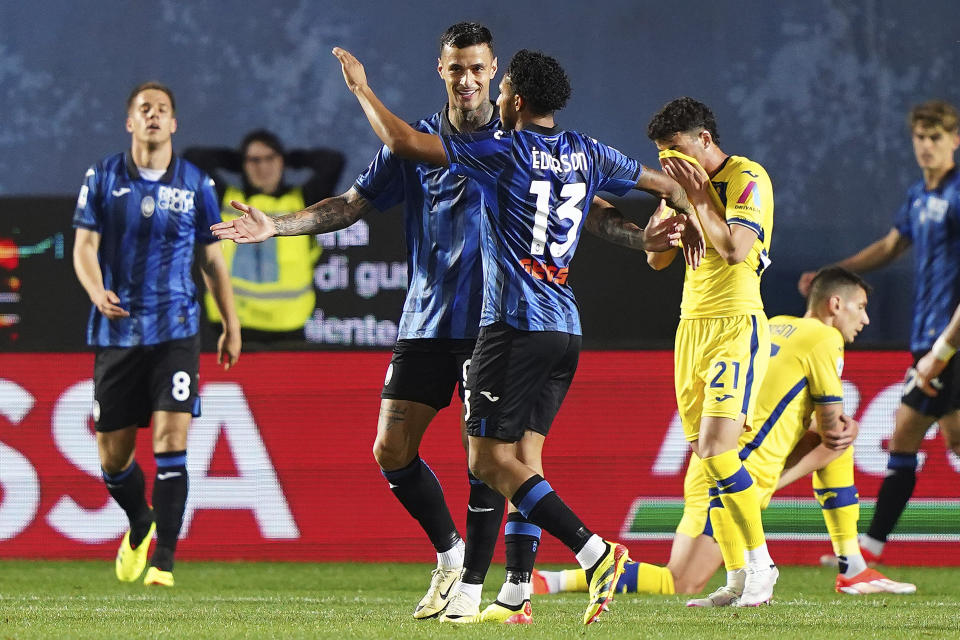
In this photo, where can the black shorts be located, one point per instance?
(130, 383)
(517, 380)
(427, 370)
(946, 401)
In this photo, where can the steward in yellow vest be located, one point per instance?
(272, 281)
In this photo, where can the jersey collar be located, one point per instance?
(134, 173)
(546, 131)
(447, 129)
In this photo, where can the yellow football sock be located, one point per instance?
(573, 580)
(840, 504)
(729, 538)
(654, 579)
(738, 493)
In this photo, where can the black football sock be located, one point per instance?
(541, 505)
(895, 492)
(484, 515)
(521, 540)
(127, 488)
(169, 500)
(418, 490)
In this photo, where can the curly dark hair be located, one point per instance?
(540, 80)
(682, 115)
(466, 34)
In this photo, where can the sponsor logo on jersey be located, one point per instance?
(122, 191)
(750, 195)
(173, 199)
(546, 272)
(935, 210)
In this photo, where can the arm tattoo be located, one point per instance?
(610, 225)
(330, 214)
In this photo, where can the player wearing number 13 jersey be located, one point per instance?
(536, 180)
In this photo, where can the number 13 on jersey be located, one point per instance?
(570, 209)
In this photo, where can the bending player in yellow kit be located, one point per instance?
(723, 342)
(798, 405)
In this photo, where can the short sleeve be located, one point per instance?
(618, 173)
(381, 184)
(481, 156)
(825, 369)
(87, 215)
(208, 210)
(749, 196)
(901, 221)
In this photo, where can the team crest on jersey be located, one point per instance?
(173, 199)
(147, 206)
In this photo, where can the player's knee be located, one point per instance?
(390, 455)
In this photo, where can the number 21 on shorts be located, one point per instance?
(726, 374)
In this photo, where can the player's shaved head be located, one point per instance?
(681, 116)
(831, 281)
(539, 80)
(466, 34)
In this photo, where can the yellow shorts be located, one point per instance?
(719, 364)
(696, 494)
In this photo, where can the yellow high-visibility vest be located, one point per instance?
(272, 280)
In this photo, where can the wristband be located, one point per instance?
(943, 350)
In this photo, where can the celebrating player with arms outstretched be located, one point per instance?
(723, 342)
(536, 179)
(441, 315)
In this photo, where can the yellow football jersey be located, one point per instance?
(805, 367)
(717, 289)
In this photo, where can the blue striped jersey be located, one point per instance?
(442, 227)
(930, 219)
(148, 231)
(537, 184)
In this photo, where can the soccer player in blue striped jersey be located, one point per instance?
(441, 316)
(928, 219)
(139, 216)
(536, 179)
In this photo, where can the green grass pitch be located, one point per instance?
(82, 599)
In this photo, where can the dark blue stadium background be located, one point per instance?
(815, 91)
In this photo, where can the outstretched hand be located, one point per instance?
(353, 72)
(253, 226)
(662, 233)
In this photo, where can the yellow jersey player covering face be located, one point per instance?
(801, 429)
(723, 343)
